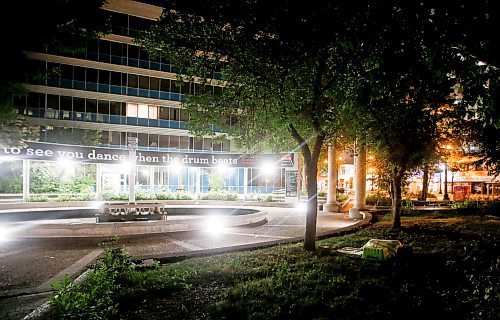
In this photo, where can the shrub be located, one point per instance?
(76, 197)
(143, 196)
(341, 197)
(114, 196)
(94, 297)
(38, 199)
(182, 196)
(471, 206)
(222, 195)
(267, 198)
(378, 200)
(165, 196)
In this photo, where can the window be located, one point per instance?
(66, 72)
(52, 101)
(116, 49)
(133, 81)
(66, 103)
(92, 75)
(165, 85)
(133, 52)
(103, 107)
(103, 77)
(153, 140)
(131, 110)
(78, 104)
(207, 144)
(143, 111)
(116, 78)
(115, 108)
(143, 140)
(36, 100)
(164, 141)
(184, 142)
(174, 114)
(115, 138)
(164, 113)
(217, 146)
(79, 74)
(104, 48)
(153, 112)
(143, 82)
(198, 144)
(154, 83)
(105, 137)
(174, 142)
(91, 105)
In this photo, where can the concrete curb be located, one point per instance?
(77, 229)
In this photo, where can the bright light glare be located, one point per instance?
(127, 165)
(222, 168)
(176, 166)
(301, 205)
(4, 234)
(215, 224)
(268, 168)
(66, 163)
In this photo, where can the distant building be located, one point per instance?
(116, 89)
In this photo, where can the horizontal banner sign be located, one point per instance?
(57, 152)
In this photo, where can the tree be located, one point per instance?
(286, 68)
(404, 92)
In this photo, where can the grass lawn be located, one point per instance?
(453, 273)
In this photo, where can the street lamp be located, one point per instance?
(446, 196)
(440, 191)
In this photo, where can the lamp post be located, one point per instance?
(132, 147)
(440, 191)
(446, 196)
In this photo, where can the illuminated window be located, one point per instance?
(131, 110)
(142, 111)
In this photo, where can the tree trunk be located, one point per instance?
(396, 198)
(425, 184)
(312, 204)
(311, 166)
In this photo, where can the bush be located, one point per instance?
(114, 196)
(76, 197)
(165, 196)
(378, 200)
(471, 206)
(341, 197)
(182, 196)
(94, 297)
(221, 195)
(38, 199)
(267, 198)
(143, 196)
